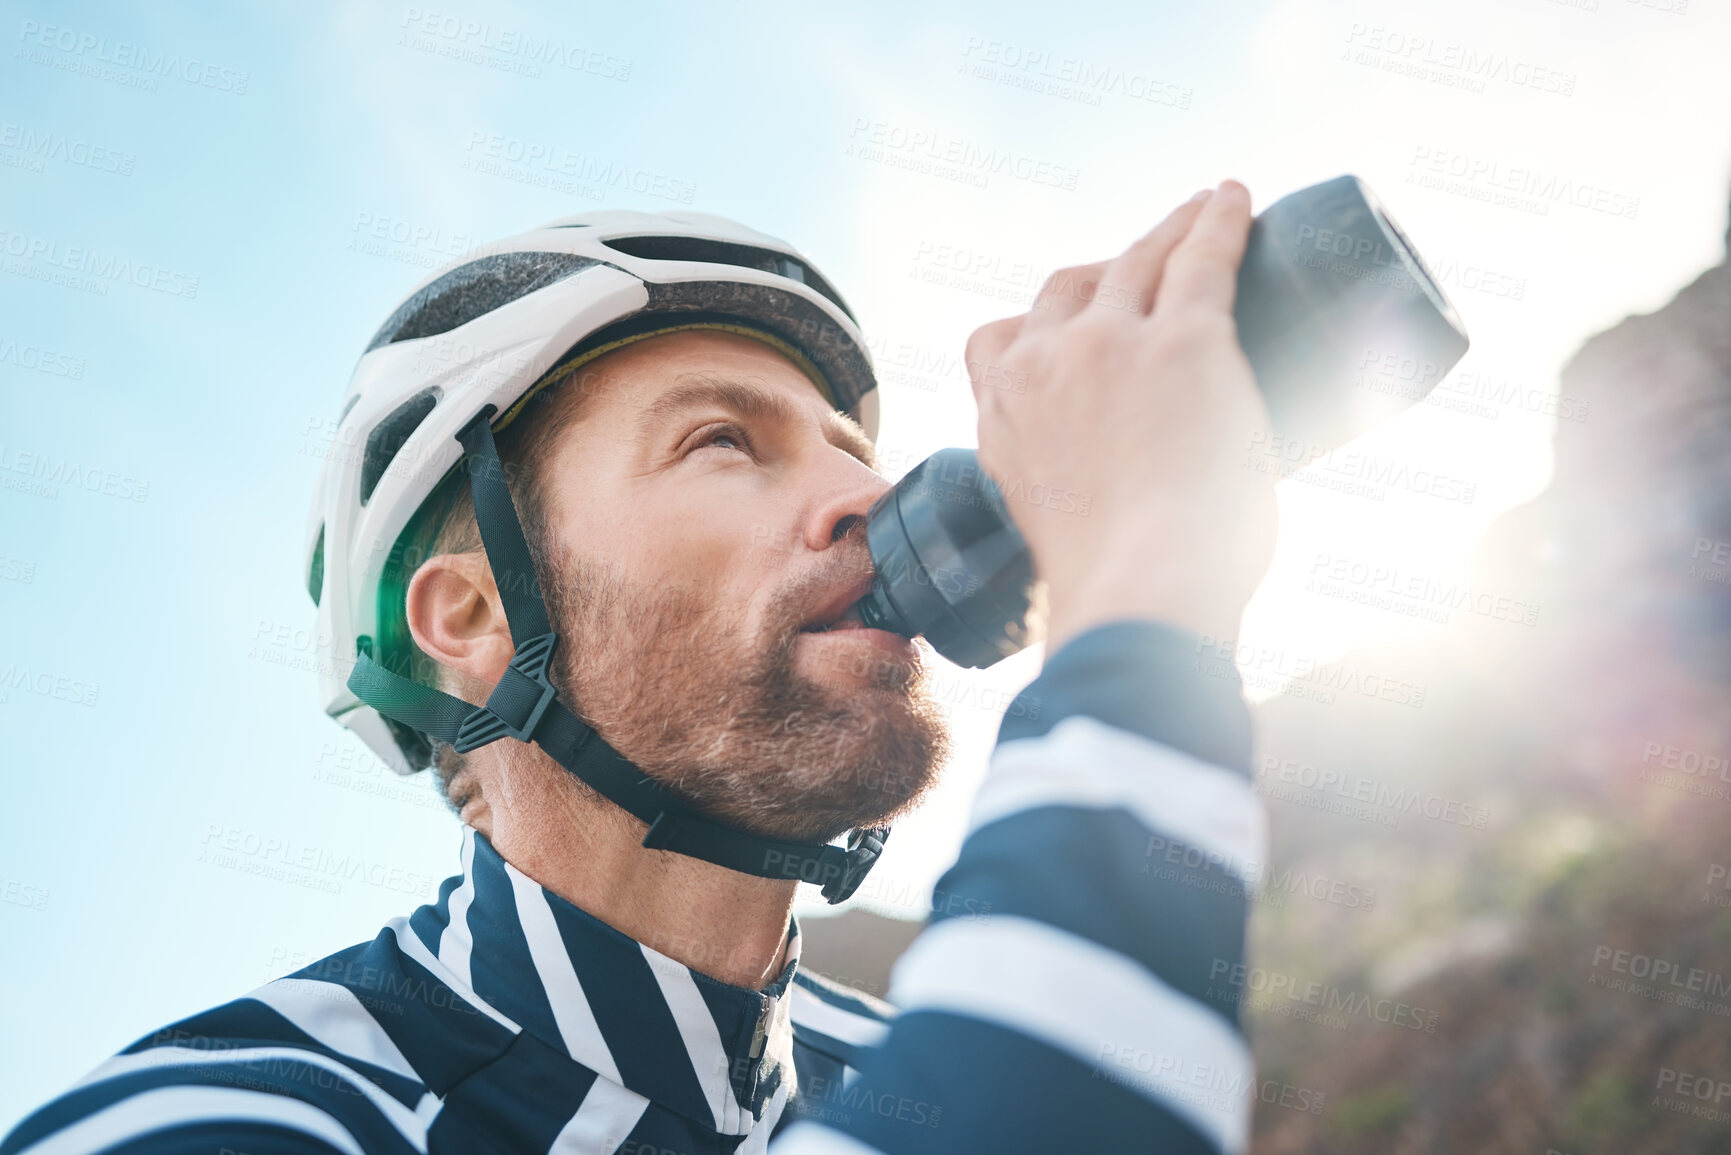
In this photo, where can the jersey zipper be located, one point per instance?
(760, 1035)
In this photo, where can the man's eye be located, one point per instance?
(725, 437)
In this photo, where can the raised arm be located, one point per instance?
(1117, 832)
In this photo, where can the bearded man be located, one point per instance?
(597, 561)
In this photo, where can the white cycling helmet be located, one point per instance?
(486, 332)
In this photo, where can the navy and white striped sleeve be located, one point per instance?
(1115, 840)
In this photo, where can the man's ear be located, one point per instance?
(456, 618)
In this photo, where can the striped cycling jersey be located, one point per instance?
(1082, 996)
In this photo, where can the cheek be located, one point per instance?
(712, 542)
(691, 550)
(714, 566)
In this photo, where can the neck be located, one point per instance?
(730, 926)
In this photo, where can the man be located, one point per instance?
(649, 580)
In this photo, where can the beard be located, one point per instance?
(724, 720)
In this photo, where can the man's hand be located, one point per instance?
(1139, 397)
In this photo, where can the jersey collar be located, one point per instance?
(708, 1050)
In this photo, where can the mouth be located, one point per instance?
(852, 641)
(841, 613)
(849, 620)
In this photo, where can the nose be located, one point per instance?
(850, 489)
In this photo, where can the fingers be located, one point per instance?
(1065, 293)
(985, 349)
(1202, 270)
(1128, 283)
(1132, 279)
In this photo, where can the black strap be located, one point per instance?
(502, 533)
(675, 826)
(436, 714)
(525, 706)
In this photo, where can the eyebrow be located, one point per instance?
(751, 401)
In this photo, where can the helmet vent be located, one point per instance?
(471, 290)
(387, 438)
(661, 247)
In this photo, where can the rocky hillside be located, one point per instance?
(1553, 972)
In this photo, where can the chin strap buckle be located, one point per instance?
(853, 864)
(517, 703)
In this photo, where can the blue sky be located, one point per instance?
(205, 215)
